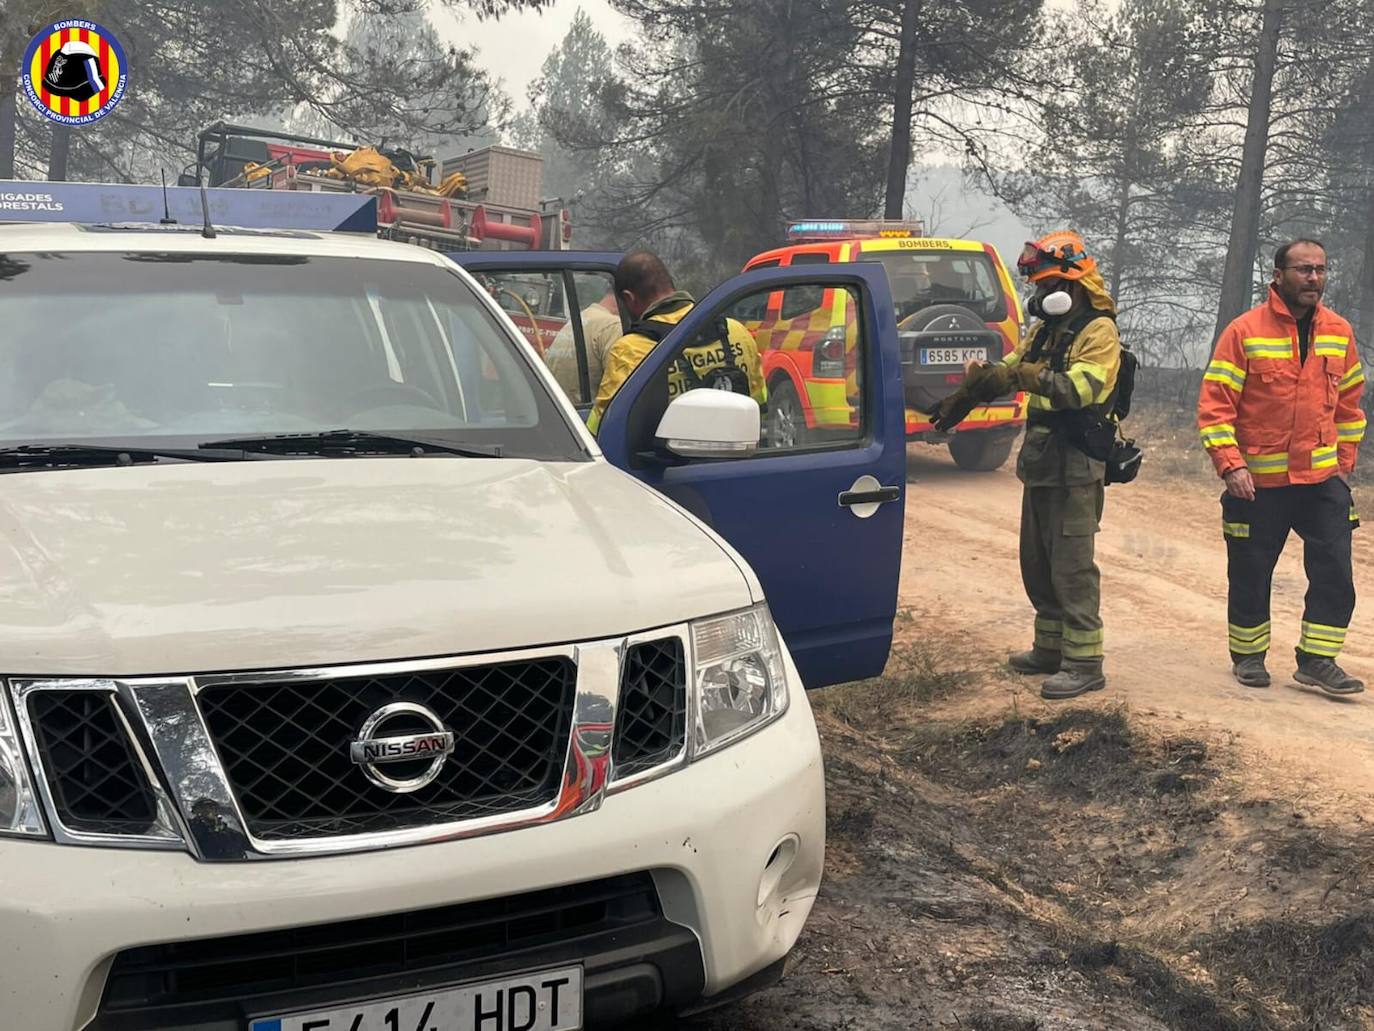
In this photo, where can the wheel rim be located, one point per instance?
(785, 416)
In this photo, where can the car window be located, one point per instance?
(823, 406)
(603, 323)
(756, 310)
(920, 279)
(798, 300)
(534, 301)
(572, 332)
(110, 346)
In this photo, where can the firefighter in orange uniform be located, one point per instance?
(1280, 415)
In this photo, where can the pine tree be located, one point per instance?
(193, 62)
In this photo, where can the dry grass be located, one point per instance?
(917, 674)
(1176, 1001)
(1076, 868)
(1167, 432)
(1169, 438)
(1079, 753)
(1309, 975)
(1047, 785)
(991, 1020)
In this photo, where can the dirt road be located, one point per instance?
(1163, 566)
(1173, 852)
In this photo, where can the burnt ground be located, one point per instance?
(1174, 852)
(1067, 868)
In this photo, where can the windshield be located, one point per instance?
(184, 348)
(920, 279)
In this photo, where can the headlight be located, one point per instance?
(18, 807)
(740, 684)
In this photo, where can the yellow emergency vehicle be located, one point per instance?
(955, 302)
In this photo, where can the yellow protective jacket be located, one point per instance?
(1088, 377)
(627, 352)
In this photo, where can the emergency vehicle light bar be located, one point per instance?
(252, 209)
(849, 229)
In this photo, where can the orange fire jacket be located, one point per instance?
(1289, 422)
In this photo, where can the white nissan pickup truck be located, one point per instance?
(347, 683)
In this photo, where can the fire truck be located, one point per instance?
(954, 301)
(493, 200)
(485, 200)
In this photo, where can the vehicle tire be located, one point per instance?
(981, 451)
(786, 417)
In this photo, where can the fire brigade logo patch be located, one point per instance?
(74, 72)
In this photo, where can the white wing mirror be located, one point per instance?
(707, 423)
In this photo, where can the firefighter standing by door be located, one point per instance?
(645, 287)
(1068, 361)
(1280, 415)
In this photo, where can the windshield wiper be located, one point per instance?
(353, 442)
(57, 456)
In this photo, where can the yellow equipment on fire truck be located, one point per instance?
(506, 213)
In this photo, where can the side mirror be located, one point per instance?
(707, 423)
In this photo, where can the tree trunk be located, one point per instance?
(1366, 327)
(8, 125)
(1125, 181)
(899, 158)
(61, 146)
(1123, 215)
(1236, 281)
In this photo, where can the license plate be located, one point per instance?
(952, 355)
(549, 1001)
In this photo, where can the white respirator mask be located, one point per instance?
(1051, 305)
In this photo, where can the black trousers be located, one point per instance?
(1323, 514)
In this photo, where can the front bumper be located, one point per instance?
(635, 968)
(734, 844)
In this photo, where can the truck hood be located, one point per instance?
(183, 568)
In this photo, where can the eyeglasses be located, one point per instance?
(1307, 270)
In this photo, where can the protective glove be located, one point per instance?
(987, 382)
(1026, 375)
(952, 410)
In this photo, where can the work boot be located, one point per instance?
(1037, 660)
(1072, 681)
(1250, 672)
(1319, 671)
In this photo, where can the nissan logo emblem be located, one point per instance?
(374, 749)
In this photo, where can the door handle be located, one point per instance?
(874, 496)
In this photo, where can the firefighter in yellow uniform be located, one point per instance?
(1068, 361)
(729, 360)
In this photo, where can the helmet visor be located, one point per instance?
(1036, 263)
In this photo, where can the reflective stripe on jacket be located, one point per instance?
(1090, 366)
(1287, 422)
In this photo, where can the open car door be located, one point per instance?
(564, 304)
(818, 515)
